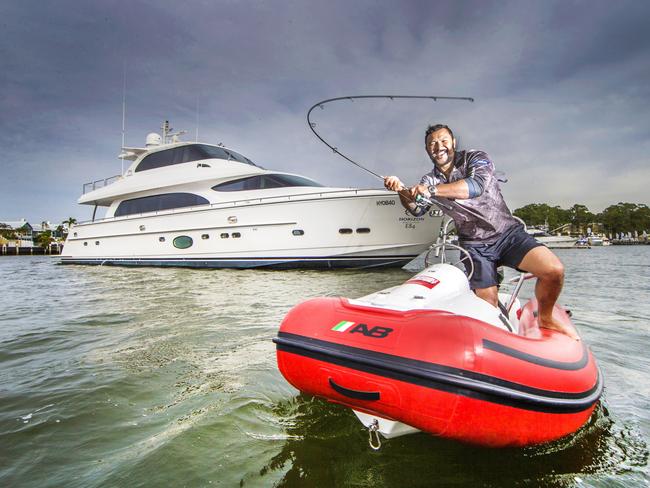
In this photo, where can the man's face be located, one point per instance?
(440, 146)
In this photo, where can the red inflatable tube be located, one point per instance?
(444, 374)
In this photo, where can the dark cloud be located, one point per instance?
(561, 90)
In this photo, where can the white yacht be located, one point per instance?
(595, 240)
(207, 206)
(552, 241)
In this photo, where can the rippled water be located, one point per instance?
(166, 377)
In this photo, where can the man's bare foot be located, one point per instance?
(549, 323)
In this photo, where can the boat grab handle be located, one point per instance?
(356, 394)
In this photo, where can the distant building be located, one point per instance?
(23, 231)
(42, 227)
(587, 229)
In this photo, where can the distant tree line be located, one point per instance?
(7, 232)
(619, 218)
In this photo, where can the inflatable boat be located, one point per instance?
(430, 356)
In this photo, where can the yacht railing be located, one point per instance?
(94, 185)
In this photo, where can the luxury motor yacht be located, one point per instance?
(206, 206)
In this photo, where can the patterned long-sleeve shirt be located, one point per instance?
(484, 216)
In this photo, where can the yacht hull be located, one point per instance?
(356, 228)
(328, 262)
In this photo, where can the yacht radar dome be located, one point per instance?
(153, 139)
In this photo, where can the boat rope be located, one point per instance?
(374, 440)
(321, 105)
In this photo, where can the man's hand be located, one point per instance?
(419, 190)
(393, 183)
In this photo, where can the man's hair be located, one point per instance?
(433, 128)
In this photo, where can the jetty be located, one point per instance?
(6, 250)
(629, 242)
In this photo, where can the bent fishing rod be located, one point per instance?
(321, 104)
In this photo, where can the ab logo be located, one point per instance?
(376, 332)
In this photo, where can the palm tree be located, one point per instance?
(70, 222)
(67, 225)
(44, 238)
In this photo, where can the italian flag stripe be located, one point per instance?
(342, 326)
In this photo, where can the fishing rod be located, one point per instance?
(321, 104)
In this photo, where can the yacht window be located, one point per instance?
(189, 153)
(156, 160)
(261, 182)
(155, 203)
(185, 154)
(183, 242)
(221, 153)
(236, 185)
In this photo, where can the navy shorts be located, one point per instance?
(509, 250)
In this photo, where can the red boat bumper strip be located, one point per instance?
(530, 358)
(457, 381)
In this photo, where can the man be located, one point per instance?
(464, 184)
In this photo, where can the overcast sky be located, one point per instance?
(561, 89)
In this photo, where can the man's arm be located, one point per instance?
(457, 189)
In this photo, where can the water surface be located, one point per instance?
(167, 377)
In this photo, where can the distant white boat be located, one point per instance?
(595, 240)
(207, 206)
(552, 241)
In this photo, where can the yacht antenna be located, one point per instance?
(169, 137)
(196, 137)
(123, 115)
(321, 104)
(165, 131)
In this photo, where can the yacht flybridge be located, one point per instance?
(207, 206)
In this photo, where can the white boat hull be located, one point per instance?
(355, 228)
(557, 242)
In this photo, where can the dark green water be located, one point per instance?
(167, 377)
